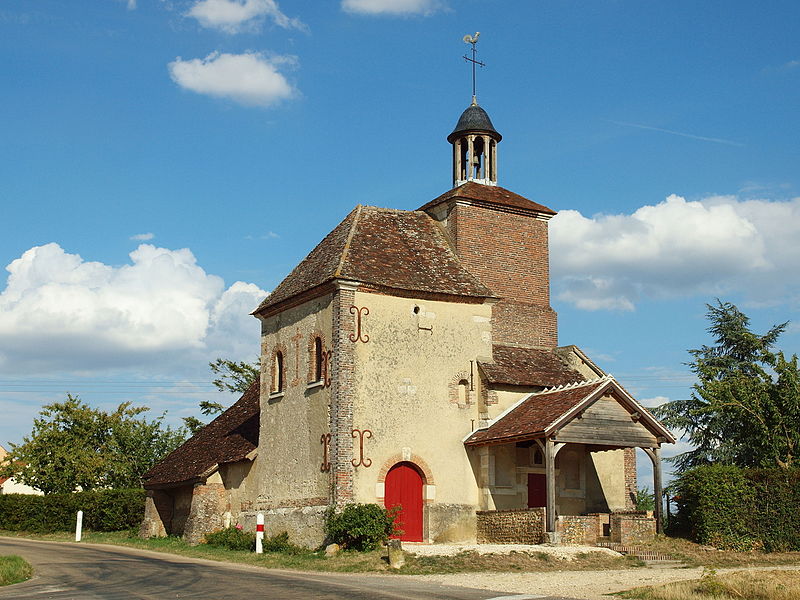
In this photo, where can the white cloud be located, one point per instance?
(143, 237)
(677, 248)
(233, 16)
(250, 79)
(131, 4)
(391, 7)
(59, 311)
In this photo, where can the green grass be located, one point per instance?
(14, 569)
(349, 562)
(376, 562)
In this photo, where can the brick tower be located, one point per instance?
(499, 236)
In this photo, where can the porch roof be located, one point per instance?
(546, 413)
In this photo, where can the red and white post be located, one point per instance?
(260, 533)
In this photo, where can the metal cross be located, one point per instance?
(473, 39)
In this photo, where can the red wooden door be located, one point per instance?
(403, 487)
(537, 490)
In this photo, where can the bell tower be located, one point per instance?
(474, 138)
(474, 141)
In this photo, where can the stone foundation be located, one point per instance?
(450, 522)
(152, 524)
(306, 525)
(523, 526)
(631, 529)
(577, 530)
(206, 512)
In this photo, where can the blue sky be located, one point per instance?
(164, 163)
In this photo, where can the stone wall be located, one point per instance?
(450, 522)
(631, 482)
(206, 513)
(578, 530)
(632, 528)
(523, 526)
(306, 525)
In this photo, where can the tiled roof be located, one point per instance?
(405, 250)
(535, 413)
(228, 438)
(527, 367)
(489, 194)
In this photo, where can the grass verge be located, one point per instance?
(353, 562)
(14, 569)
(752, 585)
(696, 555)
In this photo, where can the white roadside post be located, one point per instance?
(79, 526)
(259, 533)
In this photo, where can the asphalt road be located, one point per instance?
(88, 572)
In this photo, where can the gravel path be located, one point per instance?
(585, 585)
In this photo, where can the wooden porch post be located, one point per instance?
(658, 492)
(550, 467)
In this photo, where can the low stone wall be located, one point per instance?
(577, 530)
(450, 522)
(523, 526)
(632, 528)
(306, 525)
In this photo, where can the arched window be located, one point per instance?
(277, 372)
(463, 392)
(318, 359)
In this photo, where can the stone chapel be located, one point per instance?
(412, 358)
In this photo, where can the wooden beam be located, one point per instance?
(658, 492)
(550, 469)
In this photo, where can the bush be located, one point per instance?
(232, 538)
(360, 527)
(103, 510)
(278, 543)
(740, 509)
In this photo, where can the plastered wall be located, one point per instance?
(293, 421)
(404, 377)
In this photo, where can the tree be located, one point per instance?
(232, 376)
(75, 446)
(745, 408)
(235, 377)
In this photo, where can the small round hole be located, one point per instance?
(416, 310)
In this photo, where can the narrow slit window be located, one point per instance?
(318, 359)
(277, 373)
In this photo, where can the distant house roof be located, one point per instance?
(541, 413)
(397, 249)
(491, 195)
(231, 437)
(528, 367)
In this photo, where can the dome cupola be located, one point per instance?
(474, 141)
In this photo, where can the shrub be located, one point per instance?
(278, 543)
(740, 509)
(103, 510)
(232, 538)
(360, 527)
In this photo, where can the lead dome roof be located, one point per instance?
(474, 120)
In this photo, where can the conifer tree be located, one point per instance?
(745, 407)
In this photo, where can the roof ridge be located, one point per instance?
(576, 384)
(338, 272)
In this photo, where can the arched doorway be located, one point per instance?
(403, 487)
